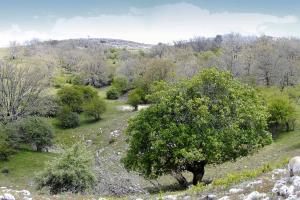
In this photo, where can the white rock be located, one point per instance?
(296, 181)
(139, 199)
(27, 198)
(279, 171)
(224, 198)
(211, 196)
(235, 190)
(255, 195)
(257, 182)
(8, 196)
(186, 198)
(143, 106)
(292, 197)
(286, 191)
(25, 192)
(294, 165)
(170, 197)
(88, 142)
(125, 108)
(278, 184)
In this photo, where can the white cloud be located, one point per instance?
(164, 23)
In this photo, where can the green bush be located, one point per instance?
(67, 118)
(121, 84)
(94, 108)
(5, 148)
(209, 119)
(134, 98)
(70, 172)
(293, 93)
(71, 97)
(112, 93)
(88, 92)
(77, 80)
(11, 133)
(37, 132)
(282, 112)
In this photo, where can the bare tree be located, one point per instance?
(14, 50)
(20, 88)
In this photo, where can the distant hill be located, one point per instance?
(116, 43)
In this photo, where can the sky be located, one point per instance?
(146, 21)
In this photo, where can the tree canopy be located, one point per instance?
(209, 119)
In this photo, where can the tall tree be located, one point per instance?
(20, 89)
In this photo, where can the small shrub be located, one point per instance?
(88, 92)
(112, 140)
(94, 108)
(5, 171)
(282, 113)
(77, 80)
(121, 84)
(37, 132)
(58, 81)
(134, 98)
(70, 172)
(71, 97)
(5, 148)
(112, 93)
(68, 119)
(5, 151)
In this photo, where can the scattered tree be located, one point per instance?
(71, 97)
(94, 108)
(112, 93)
(37, 132)
(134, 98)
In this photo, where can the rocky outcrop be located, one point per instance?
(273, 185)
(13, 194)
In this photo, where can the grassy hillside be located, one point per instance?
(24, 165)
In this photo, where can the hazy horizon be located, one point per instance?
(145, 21)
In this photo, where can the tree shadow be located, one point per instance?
(175, 187)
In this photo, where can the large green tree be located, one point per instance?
(209, 119)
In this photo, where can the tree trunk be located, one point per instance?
(197, 168)
(39, 148)
(180, 178)
(197, 176)
(287, 126)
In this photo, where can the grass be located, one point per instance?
(22, 168)
(25, 164)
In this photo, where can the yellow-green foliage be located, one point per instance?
(293, 93)
(281, 108)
